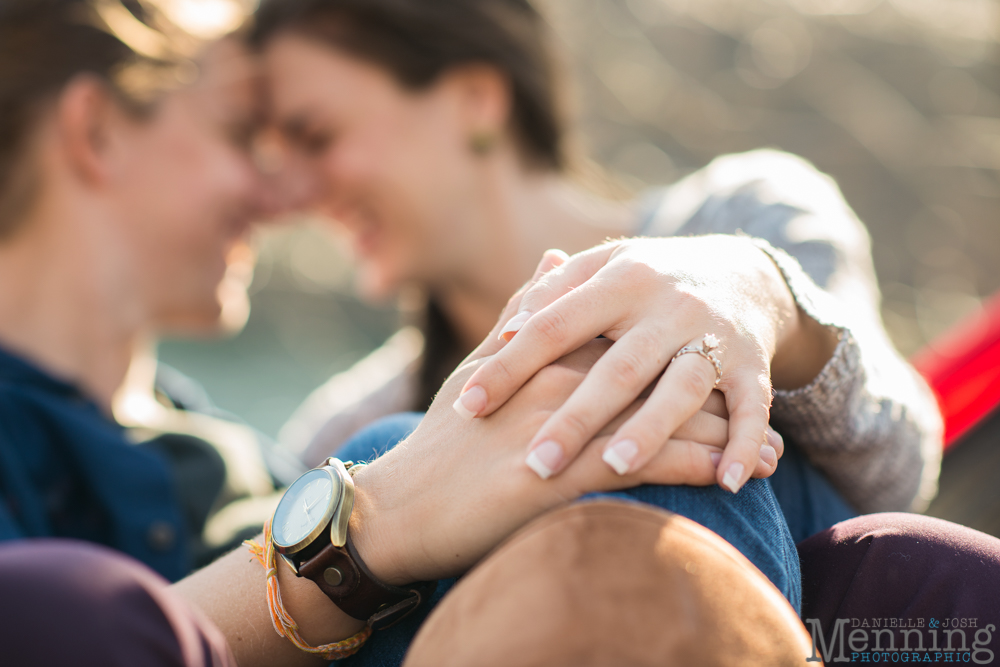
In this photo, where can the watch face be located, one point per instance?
(305, 509)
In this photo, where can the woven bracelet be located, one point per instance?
(283, 623)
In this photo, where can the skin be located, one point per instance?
(119, 245)
(406, 523)
(392, 166)
(108, 253)
(676, 285)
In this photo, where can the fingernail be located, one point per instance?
(621, 455)
(773, 438)
(471, 402)
(514, 325)
(768, 455)
(732, 478)
(716, 457)
(545, 458)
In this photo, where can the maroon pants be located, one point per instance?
(73, 603)
(900, 583)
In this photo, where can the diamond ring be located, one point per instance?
(708, 344)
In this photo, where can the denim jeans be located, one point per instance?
(757, 521)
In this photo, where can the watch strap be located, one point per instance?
(343, 576)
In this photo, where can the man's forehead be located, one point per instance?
(229, 63)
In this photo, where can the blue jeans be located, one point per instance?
(757, 521)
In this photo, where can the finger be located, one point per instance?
(578, 317)
(617, 378)
(550, 259)
(682, 462)
(678, 396)
(679, 462)
(748, 398)
(574, 272)
(706, 428)
(770, 452)
(716, 405)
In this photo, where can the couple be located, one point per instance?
(431, 131)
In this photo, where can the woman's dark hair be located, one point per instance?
(419, 40)
(43, 45)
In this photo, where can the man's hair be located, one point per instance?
(44, 44)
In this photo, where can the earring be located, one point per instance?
(482, 142)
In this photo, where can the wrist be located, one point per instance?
(803, 346)
(374, 531)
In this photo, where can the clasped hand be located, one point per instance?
(651, 297)
(439, 501)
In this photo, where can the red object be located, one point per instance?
(963, 369)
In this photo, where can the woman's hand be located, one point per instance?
(438, 502)
(652, 297)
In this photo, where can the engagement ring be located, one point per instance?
(708, 344)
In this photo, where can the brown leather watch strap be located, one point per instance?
(343, 576)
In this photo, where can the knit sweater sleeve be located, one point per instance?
(868, 420)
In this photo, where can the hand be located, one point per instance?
(438, 502)
(653, 297)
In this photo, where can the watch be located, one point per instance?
(309, 531)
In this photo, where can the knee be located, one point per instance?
(892, 564)
(609, 582)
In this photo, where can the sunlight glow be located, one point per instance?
(207, 19)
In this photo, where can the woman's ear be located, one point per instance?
(85, 115)
(486, 99)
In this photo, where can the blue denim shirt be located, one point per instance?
(68, 471)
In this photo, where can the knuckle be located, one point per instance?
(746, 449)
(688, 455)
(550, 326)
(750, 411)
(627, 370)
(575, 425)
(498, 372)
(539, 293)
(692, 380)
(693, 463)
(638, 272)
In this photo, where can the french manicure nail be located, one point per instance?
(768, 455)
(545, 458)
(716, 457)
(733, 477)
(471, 402)
(514, 325)
(773, 438)
(621, 455)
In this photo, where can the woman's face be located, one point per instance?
(186, 191)
(391, 166)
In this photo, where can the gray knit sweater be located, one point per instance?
(867, 420)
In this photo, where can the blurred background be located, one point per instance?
(899, 100)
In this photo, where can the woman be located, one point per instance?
(430, 130)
